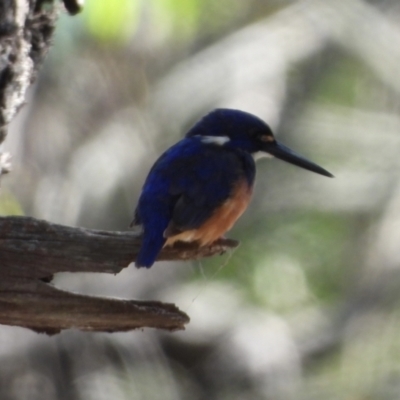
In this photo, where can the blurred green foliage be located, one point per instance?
(9, 204)
(285, 260)
(181, 20)
(344, 82)
(111, 20)
(180, 17)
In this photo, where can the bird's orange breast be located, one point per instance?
(222, 219)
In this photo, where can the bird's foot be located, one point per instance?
(226, 242)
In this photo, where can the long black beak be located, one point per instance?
(282, 152)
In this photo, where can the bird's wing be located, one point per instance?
(202, 183)
(183, 188)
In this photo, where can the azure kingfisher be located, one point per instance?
(200, 186)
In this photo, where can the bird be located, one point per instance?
(199, 187)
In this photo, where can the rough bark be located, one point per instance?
(26, 29)
(32, 251)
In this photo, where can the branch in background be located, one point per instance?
(32, 251)
(26, 29)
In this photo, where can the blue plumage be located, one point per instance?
(193, 181)
(184, 187)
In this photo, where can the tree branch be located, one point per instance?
(32, 251)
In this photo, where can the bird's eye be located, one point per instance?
(267, 138)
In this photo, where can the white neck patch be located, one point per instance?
(261, 154)
(218, 140)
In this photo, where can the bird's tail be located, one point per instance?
(151, 247)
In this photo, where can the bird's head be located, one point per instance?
(242, 130)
